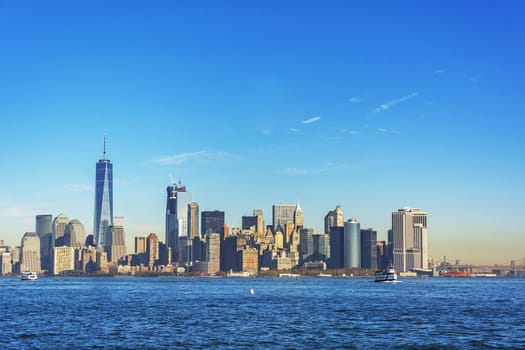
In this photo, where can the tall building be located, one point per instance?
(193, 219)
(298, 217)
(409, 239)
(63, 259)
(260, 231)
(282, 215)
(317, 247)
(334, 218)
(248, 222)
(213, 247)
(30, 252)
(337, 247)
(212, 222)
(152, 249)
(74, 234)
(369, 249)
(116, 242)
(58, 229)
(103, 217)
(6, 264)
(249, 260)
(140, 244)
(177, 204)
(45, 233)
(352, 244)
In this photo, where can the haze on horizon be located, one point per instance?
(373, 106)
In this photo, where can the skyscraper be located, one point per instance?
(212, 222)
(103, 217)
(369, 249)
(334, 218)
(30, 252)
(177, 203)
(58, 229)
(352, 244)
(260, 223)
(74, 234)
(44, 232)
(282, 215)
(193, 219)
(116, 242)
(409, 239)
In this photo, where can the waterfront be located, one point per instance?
(169, 312)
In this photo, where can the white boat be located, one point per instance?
(387, 275)
(29, 276)
(292, 275)
(324, 275)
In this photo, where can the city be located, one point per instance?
(202, 244)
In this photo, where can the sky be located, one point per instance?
(374, 105)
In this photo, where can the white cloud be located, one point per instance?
(293, 130)
(439, 71)
(311, 120)
(355, 99)
(199, 156)
(266, 131)
(389, 104)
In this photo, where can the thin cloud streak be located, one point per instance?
(199, 156)
(387, 105)
(311, 120)
(355, 99)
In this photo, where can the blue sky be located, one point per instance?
(371, 105)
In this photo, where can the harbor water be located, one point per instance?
(247, 313)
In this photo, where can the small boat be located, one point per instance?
(387, 275)
(324, 275)
(292, 275)
(29, 276)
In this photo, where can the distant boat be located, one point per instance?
(324, 275)
(252, 291)
(289, 275)
(387, 275)
(29, 276)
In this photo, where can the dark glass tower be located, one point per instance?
(212, 222)
(103, 200)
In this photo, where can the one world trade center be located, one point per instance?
(103, 200)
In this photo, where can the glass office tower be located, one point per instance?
(103, 200)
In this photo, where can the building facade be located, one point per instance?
(352, 244)
(212, 222)
(409, 239)
(369, 249)
(45, 233)
(30, 252)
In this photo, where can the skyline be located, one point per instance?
(259, 104)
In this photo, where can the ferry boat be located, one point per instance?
(29, 276)
(387, 275)
(292, 275)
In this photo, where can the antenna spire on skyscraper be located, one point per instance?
(104, 157)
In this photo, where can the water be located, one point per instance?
(304, 313)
